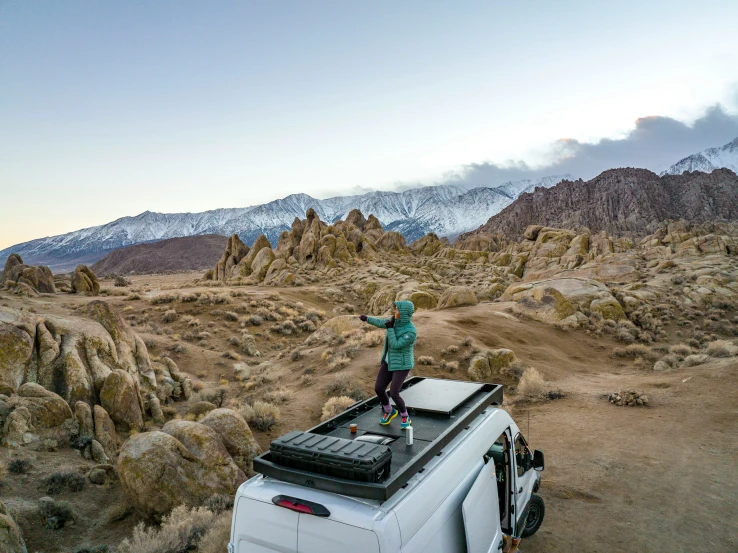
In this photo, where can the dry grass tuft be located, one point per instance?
(450, 350)
(335, 406)
(450, 366)
(719, 348)
(343, 387)
(681, 350)
(181, 530)
(531, 384)
(261, 415)
(280, 395)
(216, 538)
(339, 363)
(373, 339)
(426, 360)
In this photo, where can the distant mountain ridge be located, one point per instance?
(447, 210)
(708, 160)
(622, 202)
(189, 253)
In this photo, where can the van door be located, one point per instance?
(481, 513)
(260, 527)
(321, 535)
(525, 479)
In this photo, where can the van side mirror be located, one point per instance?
(538, 463)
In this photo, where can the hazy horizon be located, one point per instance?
(110, 110)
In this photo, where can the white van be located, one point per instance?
(467, 478)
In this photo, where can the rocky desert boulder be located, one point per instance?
(84, 281)
(19, 277)
(104, 431)
(47, 409)
(234, 252)
(16, 351)
(335, 327)
(488, 363)
(185, 463)
(457, 296)
(18, 429)
(11, 538)
(236, 436)
(421, 299)
(120, 397)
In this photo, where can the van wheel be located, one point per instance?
(533, 521)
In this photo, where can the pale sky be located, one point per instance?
(109, 109)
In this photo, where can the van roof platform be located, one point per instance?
(439, 409)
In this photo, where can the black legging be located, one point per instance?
(384, 377)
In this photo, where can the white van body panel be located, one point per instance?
(444, 530)
(443, 475)
(425, 516)
(482, 534)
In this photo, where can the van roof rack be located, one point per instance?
(440, 410)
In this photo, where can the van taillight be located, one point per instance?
(300, 505)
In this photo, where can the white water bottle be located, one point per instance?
(409, 435)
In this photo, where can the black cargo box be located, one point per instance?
(337, 457)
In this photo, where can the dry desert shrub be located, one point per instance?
(255, 320)
(216, 538)
(3, 472)
(67, 479)
(633, 350)
(450, 350)
(450, 366)
(170, 315)
(344, 387)
(296, 355)
(231, 316)
(334, 406)
(163, 298)
(680, 350)
(327, 354)
(426, 360)
(280, 395)
(339, 363)
(216, 396)
(468, 341)
(373, 339)
(261, 415)
(182, 530)
(719, 348)
(531, 384)
(19, 466)
(232, 355)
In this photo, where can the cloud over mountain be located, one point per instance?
(655, 143)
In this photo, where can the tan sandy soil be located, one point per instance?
(662, 478)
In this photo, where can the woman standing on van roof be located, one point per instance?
(396, 361)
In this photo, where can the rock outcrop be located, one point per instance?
(11, 538)
(310, 244)
(85, 282)
(51, 364)
(457, 296)
(185, 463)
(25, 279)
(629, 201)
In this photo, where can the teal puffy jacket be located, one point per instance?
(399, 344)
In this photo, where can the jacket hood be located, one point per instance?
(406, 309)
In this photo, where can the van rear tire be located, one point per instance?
(536, 512)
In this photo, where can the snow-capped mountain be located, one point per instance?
(447, 210)
(708, 160)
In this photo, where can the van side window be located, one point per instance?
(522, 455)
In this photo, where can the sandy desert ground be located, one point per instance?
(661, 478)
